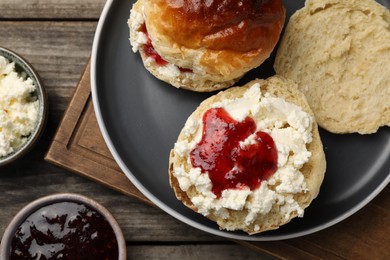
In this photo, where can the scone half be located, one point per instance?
(338, 52)
(252, 194)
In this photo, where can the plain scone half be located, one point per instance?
(204, 46)
(233, 178)
(338, 52)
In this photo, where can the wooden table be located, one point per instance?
(56, 37)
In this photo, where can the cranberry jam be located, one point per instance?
(65, 230)
(229, 165)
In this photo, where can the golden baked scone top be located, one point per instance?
(204, 45)
(231, 36)
(219, 25)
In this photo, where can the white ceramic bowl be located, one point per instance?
(24, 68)
(5, 246)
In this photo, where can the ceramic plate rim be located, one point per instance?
(157, 201)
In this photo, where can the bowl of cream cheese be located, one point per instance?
(23, 106)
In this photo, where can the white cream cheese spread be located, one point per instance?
(139, 38)
(290, 128)
(18, 109)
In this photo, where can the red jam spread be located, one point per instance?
(228, 165)
(151, 52)
(149, 49)
(65, 230)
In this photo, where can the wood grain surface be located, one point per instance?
(55, 36)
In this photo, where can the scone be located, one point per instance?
(249, 158)
(338, 52)
(204, 45)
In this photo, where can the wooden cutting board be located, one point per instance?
(79, 147)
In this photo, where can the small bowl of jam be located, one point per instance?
(63, 226)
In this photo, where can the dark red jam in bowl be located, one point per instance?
(229, 165)
(65, 230)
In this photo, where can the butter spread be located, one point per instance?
(288, 125)
(18, 109)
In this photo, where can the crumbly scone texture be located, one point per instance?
(313, 170)
(189, 81)
(211, 69)
(338, 52)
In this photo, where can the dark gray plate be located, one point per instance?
(140, 118)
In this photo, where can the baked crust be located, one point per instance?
(219, 46)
